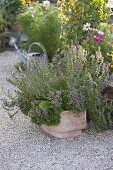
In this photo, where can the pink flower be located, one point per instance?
(87, 38)
(98, 38)
(86, 26)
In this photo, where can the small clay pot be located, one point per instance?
(14, 27)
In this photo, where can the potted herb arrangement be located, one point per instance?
(56, 96)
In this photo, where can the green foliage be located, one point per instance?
(44, 105)
(43, 26)
(3, 23)
(3, 27)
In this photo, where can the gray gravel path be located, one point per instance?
(23, 146)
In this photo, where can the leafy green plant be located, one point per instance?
(71, 83)
(3, 29)
(11, 8)
(42, 25)
(3, 23)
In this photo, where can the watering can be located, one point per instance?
(42, 58)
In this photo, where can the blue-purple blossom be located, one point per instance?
(87, 38)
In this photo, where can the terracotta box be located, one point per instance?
(71, 125)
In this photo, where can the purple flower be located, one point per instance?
(87, 38)
(98, 38)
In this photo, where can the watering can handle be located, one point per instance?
(40, 45)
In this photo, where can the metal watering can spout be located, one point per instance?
(12, 42)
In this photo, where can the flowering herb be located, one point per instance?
(93, 38)
(82, 13)
(98, 35)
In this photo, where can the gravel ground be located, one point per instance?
(23, 146)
